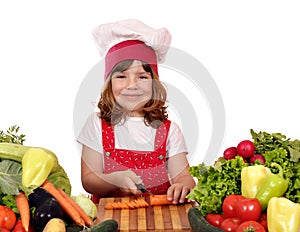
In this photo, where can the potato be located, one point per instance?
(55, 225)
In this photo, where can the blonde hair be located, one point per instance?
(155, 110)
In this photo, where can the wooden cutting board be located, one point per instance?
(152, 218)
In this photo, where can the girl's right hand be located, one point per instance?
(127, 181)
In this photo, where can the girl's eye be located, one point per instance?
(120, 76)
(144, 77)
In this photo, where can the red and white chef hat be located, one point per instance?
(131, 39)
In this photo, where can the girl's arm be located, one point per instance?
(181, 180)
(95, 182)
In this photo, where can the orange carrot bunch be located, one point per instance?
(70, 207)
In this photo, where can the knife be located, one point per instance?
(143, 189)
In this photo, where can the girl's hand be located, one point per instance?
(177, 193)
(127, 181)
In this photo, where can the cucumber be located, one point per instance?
(15, 152)
(108, 225)
(198, 222)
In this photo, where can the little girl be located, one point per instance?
(130, 141)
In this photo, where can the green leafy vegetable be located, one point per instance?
(11, 135)
(215, 183)
(264, 142)
(10, 177)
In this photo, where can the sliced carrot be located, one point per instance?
(87, 219)
(159, 200)
(66, 205)
(133, 204)
(23, 207)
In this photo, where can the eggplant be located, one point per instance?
(38, 197)
(46, 211)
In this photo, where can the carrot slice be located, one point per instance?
(159, 200)
(87, 219)
(66, 205)
(23, 207)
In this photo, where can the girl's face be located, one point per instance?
(132, 88)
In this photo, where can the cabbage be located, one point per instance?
(87, 205)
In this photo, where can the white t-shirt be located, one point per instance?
(131, 135)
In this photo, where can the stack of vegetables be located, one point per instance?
(266, 169)
(35, 191)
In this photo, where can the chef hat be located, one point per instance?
(131, 39)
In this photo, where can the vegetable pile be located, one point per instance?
(35, 191)
(264, 168)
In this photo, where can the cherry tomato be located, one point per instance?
(229, 205)
(214, 219)
(230, 224)
(248, 209)
(7, 217)
(246, 148)
(263, 220)
(251, 226)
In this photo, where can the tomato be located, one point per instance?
(230, 153)
(214, 219)
(230, 224)
(250, 226)
(7, 217)
(246, 148)
(248, 209)
(229, 205)
(263, 220)
(19, 227)
(4, 230)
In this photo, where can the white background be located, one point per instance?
(250, 48)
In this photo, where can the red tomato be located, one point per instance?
(229, 205)
(19, 227)
(230, 224)
(248, 209)
(251, 226)
(246, 148)
(214, 219)
(263, 220)
(7, 217)
(230, 153)
(4, 230)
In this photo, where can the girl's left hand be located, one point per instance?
(177, 193)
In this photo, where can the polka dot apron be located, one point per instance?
(150, 165)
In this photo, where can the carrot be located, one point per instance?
(23, 207)
(159, 200)
(87, 219)
(66, 205)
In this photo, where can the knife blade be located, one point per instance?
(143, 189)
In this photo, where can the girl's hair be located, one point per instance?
(155, 110)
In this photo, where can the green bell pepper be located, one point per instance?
(273, 186)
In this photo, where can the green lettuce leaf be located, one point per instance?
(10, 177)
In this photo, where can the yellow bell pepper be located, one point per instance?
(37, 164)
(252, 178)
(283, 215)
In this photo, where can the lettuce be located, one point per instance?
(215, 183)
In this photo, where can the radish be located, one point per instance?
(258, 157)
(230, 153)
(246, 149)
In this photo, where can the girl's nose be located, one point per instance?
(132, 82)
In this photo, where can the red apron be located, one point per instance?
(150, 165)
